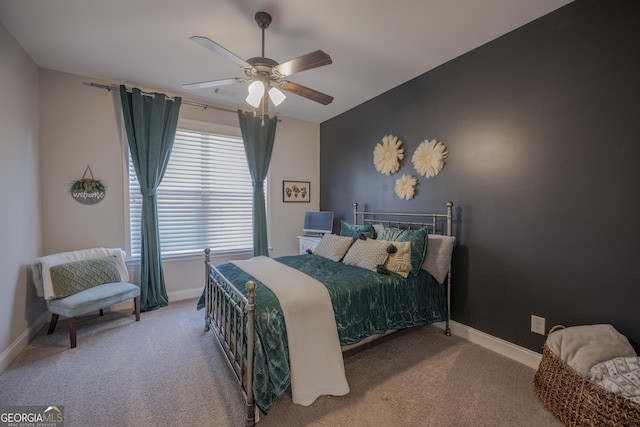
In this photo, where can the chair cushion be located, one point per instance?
(72, 277)
(93, 299)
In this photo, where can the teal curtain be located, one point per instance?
(150, 121)
(258, 134)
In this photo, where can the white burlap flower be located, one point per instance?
(387, 156)
(406, 187)
(428, 159)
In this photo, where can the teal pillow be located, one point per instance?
(418, 239)
(73, 277)
(351, 230)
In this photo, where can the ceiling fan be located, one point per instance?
(266, 74)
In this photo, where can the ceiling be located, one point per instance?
(375, 45)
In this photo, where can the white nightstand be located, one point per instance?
(308, 242)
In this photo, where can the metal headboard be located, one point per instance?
(437, 223)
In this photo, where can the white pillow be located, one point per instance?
(367, 254)
(333, 247)
(438, 258)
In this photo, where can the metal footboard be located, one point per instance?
(230, 316)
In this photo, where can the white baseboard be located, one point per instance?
(500, 346)
(173, 296)
(21, 342)
(186, 294)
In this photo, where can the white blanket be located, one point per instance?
(621, 375)
(42, 277)
(315, 357)
(581, 347)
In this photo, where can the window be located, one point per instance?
(206, 196)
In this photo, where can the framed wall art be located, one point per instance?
(296, 191)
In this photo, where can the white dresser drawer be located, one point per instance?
(308, 242)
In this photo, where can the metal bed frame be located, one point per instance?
(435, 223)
(230, 315)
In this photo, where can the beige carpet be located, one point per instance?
(165, 371)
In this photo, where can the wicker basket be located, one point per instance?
(575, 400)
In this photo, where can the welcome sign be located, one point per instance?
(87, 191)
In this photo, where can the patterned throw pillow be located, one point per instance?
(367, 254)
(73, 277)
(399, 261)
(333, 246)
(418, 239)
(355, 231)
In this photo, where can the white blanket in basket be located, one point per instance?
(581, 347)
(621, 375)
(315, 357)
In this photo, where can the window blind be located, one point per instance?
(205, 198)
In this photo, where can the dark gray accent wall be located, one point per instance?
(543, 131)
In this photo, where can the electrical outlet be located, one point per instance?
(537, 325)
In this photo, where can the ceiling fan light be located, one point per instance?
(276, 96)
(256, 91)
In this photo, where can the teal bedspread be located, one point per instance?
(364, 302)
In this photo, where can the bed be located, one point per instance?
(247, 317)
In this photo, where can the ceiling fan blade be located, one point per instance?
(216, 48)
(213, 83)
(304, 62)
(306, 92)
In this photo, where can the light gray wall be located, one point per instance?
(53, 126)
(21, 312)
(81, 125)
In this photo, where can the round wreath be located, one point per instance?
(406, 187)
(428, 159)
(387, 155)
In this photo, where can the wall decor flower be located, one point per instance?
(387, 155)
(428, 159)
(406, 187)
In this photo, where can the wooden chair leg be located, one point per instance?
(136, 306)
(72, 331)
(53, 323)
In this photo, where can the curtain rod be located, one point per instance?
(194, 104)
